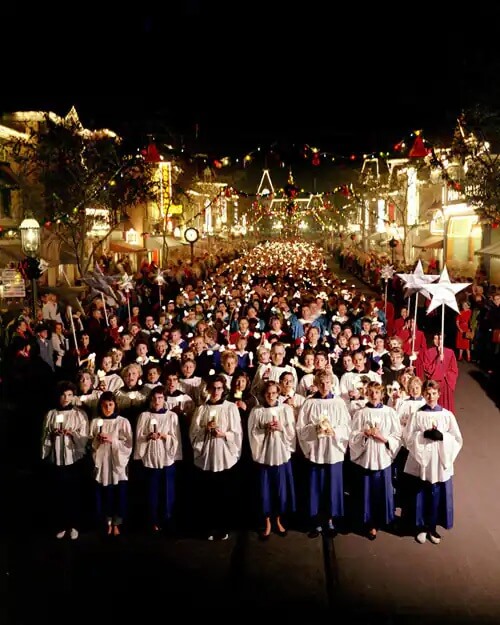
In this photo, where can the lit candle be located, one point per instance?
(59, 421)
(154, 424)
(250, 358)
(238, 394)
(100, 423)
(213, 416)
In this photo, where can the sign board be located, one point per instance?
(14, 290)
(13, 284)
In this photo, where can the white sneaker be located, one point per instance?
(61, 534)
(421, 538)
(434, 537)
(224, 536)
(73, 534)
(211, 537)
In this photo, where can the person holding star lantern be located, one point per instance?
(440, 363)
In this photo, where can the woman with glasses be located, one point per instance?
(271, 430)
(216, 437)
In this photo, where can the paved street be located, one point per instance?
(391, 580)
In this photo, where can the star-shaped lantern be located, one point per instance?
(444, 292)
(417, 282)
(387, 272)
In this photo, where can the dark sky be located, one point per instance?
(345, 79)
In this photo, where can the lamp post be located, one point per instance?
(30, 241)
(191, 235)
(393, 244)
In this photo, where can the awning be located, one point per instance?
(430, 243)
(7, 178)
(156, 243)
(379, 238)
(11, 254)
(490, 250)
(122, 247)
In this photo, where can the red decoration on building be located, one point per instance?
(151, 154)
(418, 149)
(316, 159)
(391, 207)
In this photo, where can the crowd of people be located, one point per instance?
(264, 392)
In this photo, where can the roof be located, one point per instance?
(433, 242)
(490, 250)
(125, 248)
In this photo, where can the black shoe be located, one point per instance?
(314, 533)
(372, 535)
(282, 533)
(263, 536)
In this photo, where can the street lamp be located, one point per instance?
(30, 241)
(191, 235)
(393, 245)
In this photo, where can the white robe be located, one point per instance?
(211, 453)
(184, 401)
(271, 448)
(89, 401)
(128, 399)
(368, 452)
(113, 382)
(270, 373)
(406, 409)
(111, 459)
(319, 448)
(307, 380)
(298, 400)
(194, 388)
(156, 454)
(429, 460)
(349, 381)
(65, 450)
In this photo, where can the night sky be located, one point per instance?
(344, 79)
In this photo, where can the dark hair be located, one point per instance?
(64, 386)
(431, 384)
(106, 396)
(158, 390)
(239, 373)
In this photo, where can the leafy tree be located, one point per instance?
(66, 170)
(475, 143)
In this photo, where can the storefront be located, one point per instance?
(463, 238)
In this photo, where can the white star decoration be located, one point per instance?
(387, 272)
(444, 292)
(126, 283)
(417, 282)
